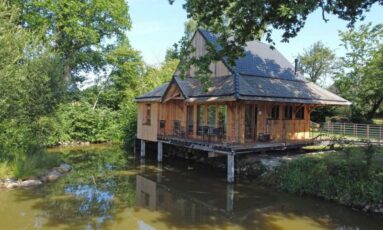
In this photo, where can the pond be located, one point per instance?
(110, 189)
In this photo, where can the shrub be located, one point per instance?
(349, 181)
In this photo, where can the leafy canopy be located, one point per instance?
(80, 31)
(317, 62)
(361, 80)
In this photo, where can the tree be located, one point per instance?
(317, 62)
(80, 31)
(240, 21)
(30, 89)
(126, 69)
(361, 80)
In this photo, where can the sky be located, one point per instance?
(157, 25)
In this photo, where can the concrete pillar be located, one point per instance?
(159, 151)
(142, 148)
(230, 168)
(229, 197)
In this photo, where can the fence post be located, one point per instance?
(368, 132)
(380, 135)
(344, 129)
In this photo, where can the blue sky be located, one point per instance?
(157, 25)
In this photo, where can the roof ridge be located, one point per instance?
(276, 78)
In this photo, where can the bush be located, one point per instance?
(77, 121)
(349, 180)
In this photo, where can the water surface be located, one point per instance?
(108, 189)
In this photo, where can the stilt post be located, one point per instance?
(143, 148)
(230, 167)
(159, 151)
(229, 197)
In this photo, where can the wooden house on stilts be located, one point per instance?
(259, 104)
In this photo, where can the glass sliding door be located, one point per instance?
(190, 120)
(250, 123)
(200, 120)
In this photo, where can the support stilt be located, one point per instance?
(229, 197)
(230, 168)
(142, 148)
(159, 151)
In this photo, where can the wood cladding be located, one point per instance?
(176, 110)
(217, 68)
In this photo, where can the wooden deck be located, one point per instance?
(234, 148)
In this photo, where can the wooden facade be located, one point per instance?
(244, 122)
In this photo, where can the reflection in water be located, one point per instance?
(107, 190)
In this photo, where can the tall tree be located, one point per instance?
(240, 21)
(317, 62)
(80, 31)
(361, 80)
(29, 86)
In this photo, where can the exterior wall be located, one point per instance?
(144, 131)
(279, 129)
(217, 68)
(171, 111)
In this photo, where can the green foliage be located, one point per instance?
(29, 90)
(77, 30)
(370, 151)
(317, 62)
(362, 81)
(348, 180)
(77, 121)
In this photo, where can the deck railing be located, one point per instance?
(350, 131)
(176, 129)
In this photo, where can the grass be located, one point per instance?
(378, 121)
(5, 170)
(351, 175)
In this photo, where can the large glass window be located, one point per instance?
(222, 117)
(300, 113)
(211, 115)
(190, 119)
(288, 112)
(274, 115)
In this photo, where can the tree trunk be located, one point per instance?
(374, 108)
(66, 72)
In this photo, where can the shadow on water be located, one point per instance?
(109, 190)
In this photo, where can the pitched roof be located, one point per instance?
(154, 95)
(259, 60)
(262, 74)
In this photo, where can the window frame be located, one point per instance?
(147, 115)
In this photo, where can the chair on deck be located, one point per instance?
(177, 129)
(218, 132)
